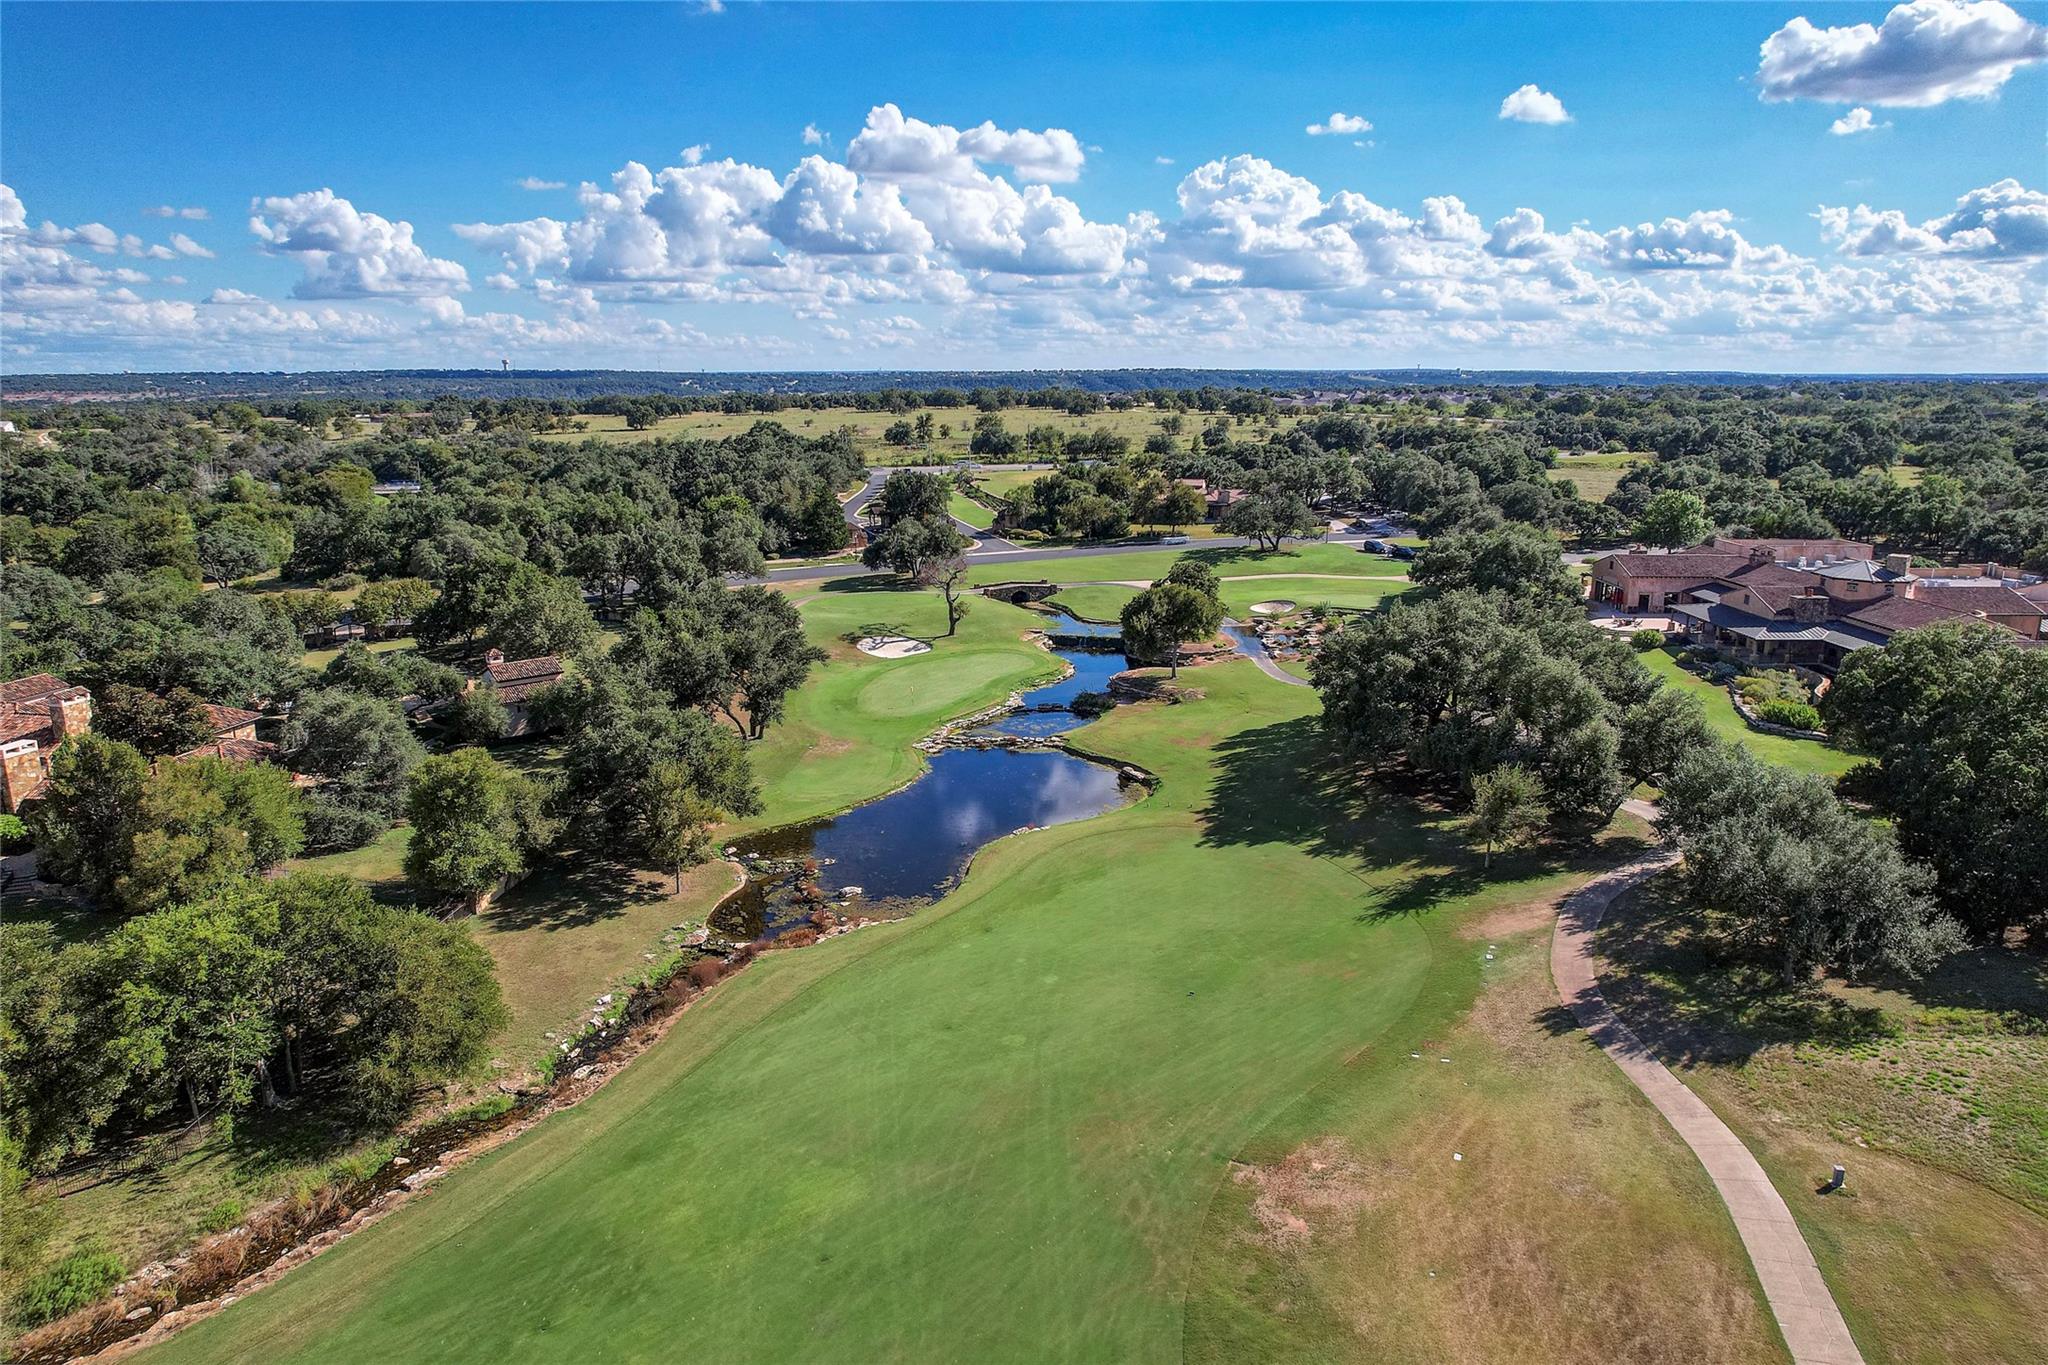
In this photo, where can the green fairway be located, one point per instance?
(991, 1132)
(1095, 601)
(1806, 755)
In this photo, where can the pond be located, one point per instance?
(911, 846)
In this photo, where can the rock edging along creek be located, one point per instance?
(1000, 771)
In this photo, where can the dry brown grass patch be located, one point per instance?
(1320, 1180)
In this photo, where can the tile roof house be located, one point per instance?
(234, 737)
(1651, 581)
(517, 682)
(37, 713)
(1816, 614)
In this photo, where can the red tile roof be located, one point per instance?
(1999, 601)
(518, 679)
(226, 718)
(1700, 564)
(34, 687)
(1895, 613)
(1773, 584)
(235, 750)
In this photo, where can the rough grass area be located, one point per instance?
(1934, 1094)
(577, 929)
(848, 732)
(1805, 755)
(1518, 1201)
(990, 1132)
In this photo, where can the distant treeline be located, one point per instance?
(580, 385)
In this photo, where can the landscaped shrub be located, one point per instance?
(797, 938)
(83, 1277)
(1793, 715)
(705, 971)
(1646, 639)
(1092, 704)
(1773, 685)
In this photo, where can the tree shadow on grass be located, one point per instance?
(572, 891)
(874, 582)
(1286, 784)
(1696, 999)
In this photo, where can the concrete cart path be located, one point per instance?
(1805, 1311)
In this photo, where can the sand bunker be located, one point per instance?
(1279, 606)
(893, 646)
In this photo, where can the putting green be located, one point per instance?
(848, 731)
(987, 1133)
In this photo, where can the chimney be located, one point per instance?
(1994, 571)
(493, 657)
(1810, 608)
(1762, 554)
(1898, 563)
(73, 711)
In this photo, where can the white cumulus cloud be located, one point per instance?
(347, 253)
(185, 246)
(1339, 123)
(169, 211)
(1857, 120)
(534, 182)
(1925, 53)
(2002, 220)
(1531, 105)
(815, 136)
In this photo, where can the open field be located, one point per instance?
(1135, 424)
(1597, 475)
(1934, 1095)
(1008, 482)
(993, 1131)
(1808, 756)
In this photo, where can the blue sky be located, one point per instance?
(1697, 206)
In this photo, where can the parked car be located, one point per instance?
(1401, 551)
(1373, 547)
(1173, 540)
